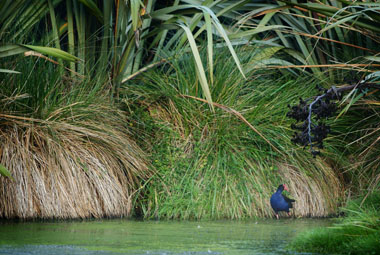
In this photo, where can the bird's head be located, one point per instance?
(282, 187)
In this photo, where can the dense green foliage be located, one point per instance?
(357, 233)
(142, 82)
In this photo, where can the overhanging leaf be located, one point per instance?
(7, 71)
(373, 58)
(199, 66)
(223, 33)
(341, 21)
(9, 50)
(52, 52)
(209, 46)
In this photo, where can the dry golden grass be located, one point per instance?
(69, 169)
(316, 194)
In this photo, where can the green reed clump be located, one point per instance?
(212, 164)
(357, 233)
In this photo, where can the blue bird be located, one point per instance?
(280, 202)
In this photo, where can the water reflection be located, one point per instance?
(152, 237)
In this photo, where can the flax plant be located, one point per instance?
(123, 38)
(316, 36)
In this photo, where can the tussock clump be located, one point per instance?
(66, 169)
(68, 147)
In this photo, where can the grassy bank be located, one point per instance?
(214, 165)
(161, 152)
(357, 233)
(124, 127)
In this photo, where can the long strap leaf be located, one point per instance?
(52, 52)
(199, 65)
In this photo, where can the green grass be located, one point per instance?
(357, 233)
(213, 165)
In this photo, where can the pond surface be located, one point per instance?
(122, 236)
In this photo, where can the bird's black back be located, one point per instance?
(289, 201)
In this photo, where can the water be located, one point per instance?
(122, 236)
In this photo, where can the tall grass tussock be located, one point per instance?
(68, 148)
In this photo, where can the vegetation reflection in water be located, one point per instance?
(152, 237)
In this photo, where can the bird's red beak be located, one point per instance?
(286, 188)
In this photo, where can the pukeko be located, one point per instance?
(280, 202)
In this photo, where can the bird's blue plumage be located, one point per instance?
(280, 202)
